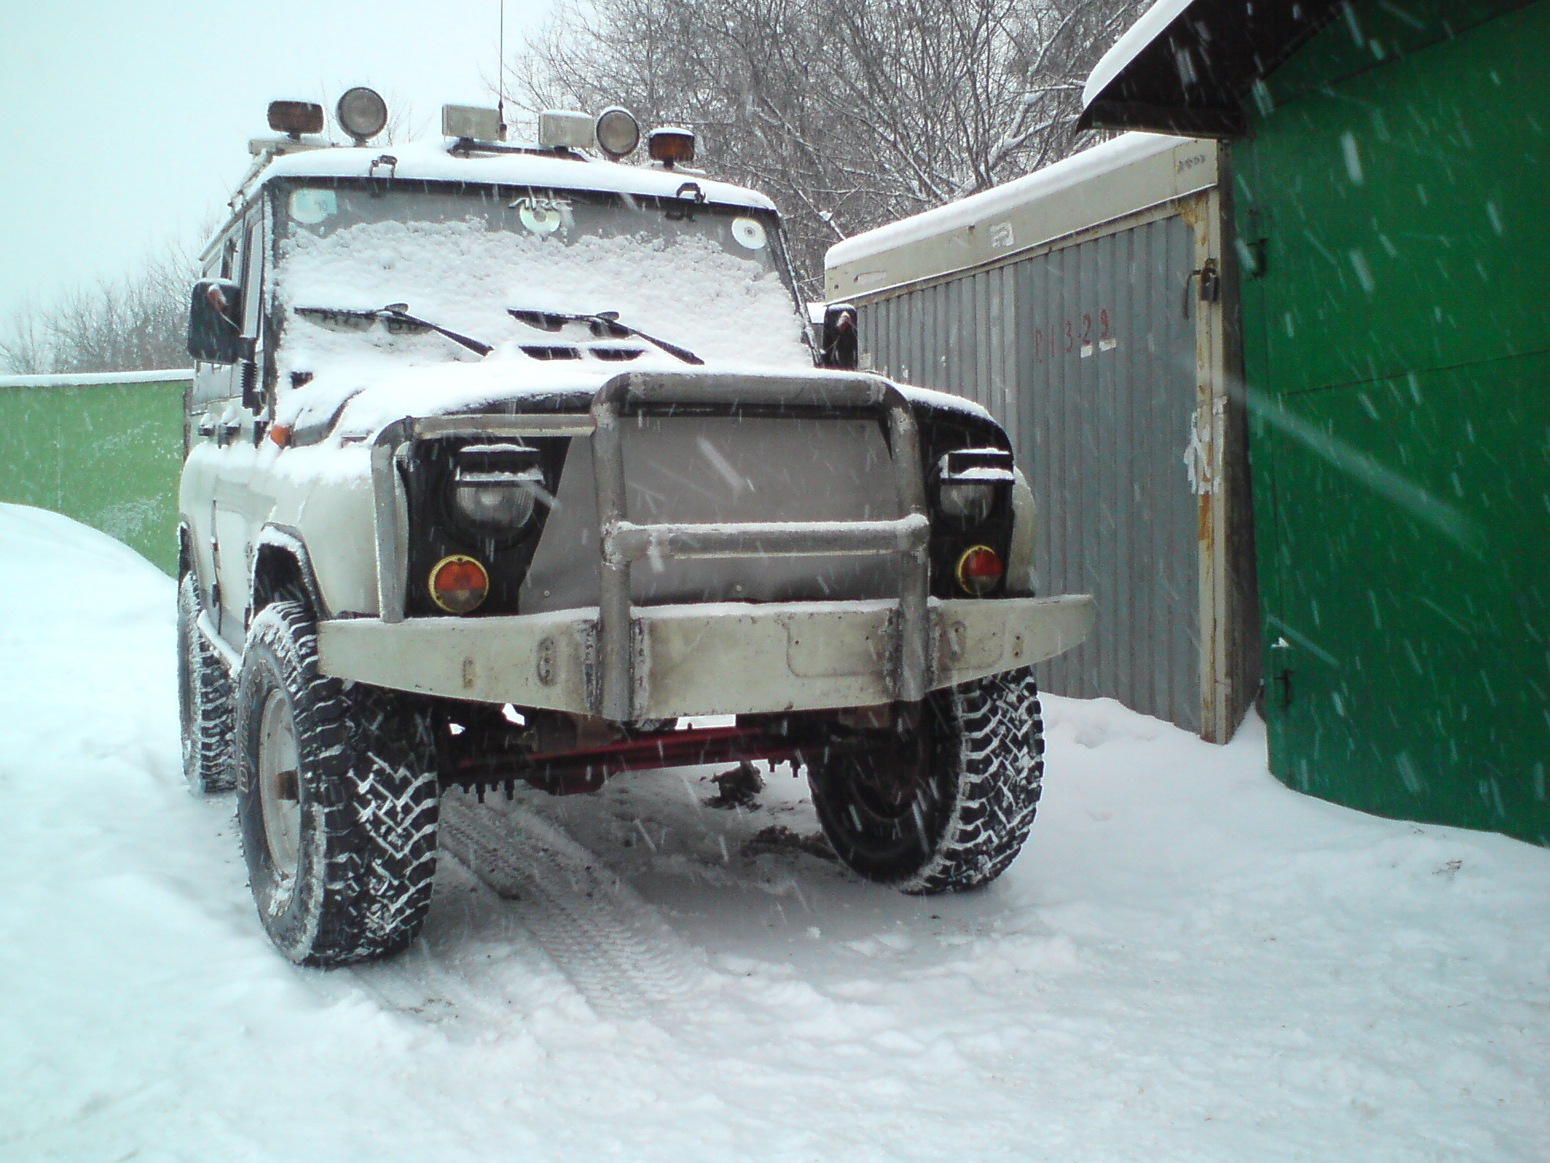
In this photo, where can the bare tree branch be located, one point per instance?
(850, 113)
(135, 323)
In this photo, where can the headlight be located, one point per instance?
(495, 489)
(968, 481)
(966, 501)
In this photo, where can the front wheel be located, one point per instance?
(945, 802)
(337, 800)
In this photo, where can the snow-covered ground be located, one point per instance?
(1188, 961)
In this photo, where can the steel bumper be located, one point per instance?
(721, 659)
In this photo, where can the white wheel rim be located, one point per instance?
(279, 784)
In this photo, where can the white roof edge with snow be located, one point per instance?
(92, 379)
(432, 161)
(1131, 173)
(1140, 34)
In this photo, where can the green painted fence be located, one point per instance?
(103, 449)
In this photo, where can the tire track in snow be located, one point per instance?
(429, 984)
(620, 955)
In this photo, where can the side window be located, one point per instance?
(252, 277)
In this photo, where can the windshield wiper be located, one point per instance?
(609, 320)
(396, 313)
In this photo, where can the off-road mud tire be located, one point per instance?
(947, 804)
(205, 707)
(366, 788)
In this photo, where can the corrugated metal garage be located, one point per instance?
(1072, 304)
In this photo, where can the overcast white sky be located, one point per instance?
(124, 126)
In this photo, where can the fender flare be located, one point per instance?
(280, 556)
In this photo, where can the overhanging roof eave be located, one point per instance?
(1216, 122)
(1195, 62)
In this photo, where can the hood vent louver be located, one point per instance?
(553, 351)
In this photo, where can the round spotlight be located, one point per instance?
(618, 133)
(362, 113)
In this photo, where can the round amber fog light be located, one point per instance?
(458, 584)
(979, 570)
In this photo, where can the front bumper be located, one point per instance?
(721, 659)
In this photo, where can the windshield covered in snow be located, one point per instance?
(710, 278)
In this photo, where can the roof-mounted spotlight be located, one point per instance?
(295, 118)
(563, 129)
(671, 145)
(618, 133)
(470, 123)
(362, 113)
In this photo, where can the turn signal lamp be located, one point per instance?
(362, 113)
(979, 571)
(618, 133)
(671, 146)
(295, 117)
(458, 584)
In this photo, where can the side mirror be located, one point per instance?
(839, 336)
(215, 321)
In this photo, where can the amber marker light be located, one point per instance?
(281, 434)
(979, 570)
(671, 146)
(295, 117)
(458, 584)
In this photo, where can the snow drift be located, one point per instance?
(1188, 961)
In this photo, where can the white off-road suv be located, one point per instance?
(505, 463)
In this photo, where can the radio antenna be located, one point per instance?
(500, 74)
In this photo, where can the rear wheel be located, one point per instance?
(205, 706)
(946, 803)
(337, 800)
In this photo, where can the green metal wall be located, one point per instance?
(1394, 230)
(107, 455)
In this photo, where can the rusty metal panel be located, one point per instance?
(1087, 357)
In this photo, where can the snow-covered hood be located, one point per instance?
(346, 408)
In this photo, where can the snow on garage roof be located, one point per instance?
(1130, 173)
(1186, 65)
